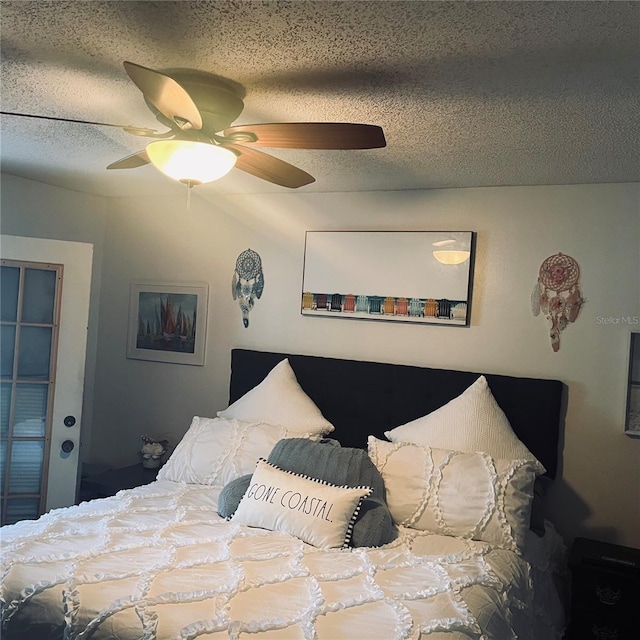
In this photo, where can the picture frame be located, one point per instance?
(420, 277)
(168, 322)
(632, 415)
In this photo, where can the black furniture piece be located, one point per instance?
(361, 398)
(108, 483)
(605, 591)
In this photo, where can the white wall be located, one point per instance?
(599, 225)
(37, 210)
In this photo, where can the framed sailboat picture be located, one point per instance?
(168, 322)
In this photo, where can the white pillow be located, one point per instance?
(215, 451)
(471, 422)
(280, 400)
(468, 495)
(315, 511)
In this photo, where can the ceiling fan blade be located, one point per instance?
(269, 168)
(131, 162)
(309, 135)
(166, 95)
(136, 131)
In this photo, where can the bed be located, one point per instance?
(408, 538)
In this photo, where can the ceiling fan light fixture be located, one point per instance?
(191, 162)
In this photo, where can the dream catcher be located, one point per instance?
(557, 294)
(248, 282)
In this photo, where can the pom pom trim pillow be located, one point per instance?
(319, 513)
(214, 451)
(280, 400)
(471, 422)
(467, 495)
(373, 526)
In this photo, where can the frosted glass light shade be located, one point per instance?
(451, 256)
(191, 162)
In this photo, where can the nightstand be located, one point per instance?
(605, 591)
(108, 483)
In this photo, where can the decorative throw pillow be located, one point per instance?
(471, 422)
(327, 460)
(214, 451)
(280, 400)
(468, 495)
(373, 525)
(231, 494)
(319, 513)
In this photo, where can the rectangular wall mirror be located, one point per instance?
(400, 276)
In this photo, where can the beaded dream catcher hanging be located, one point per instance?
(248, 282)
(557, 294)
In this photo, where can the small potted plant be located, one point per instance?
(152, 452)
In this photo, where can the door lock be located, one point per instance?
(67, 446)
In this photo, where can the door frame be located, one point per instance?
(77, 261)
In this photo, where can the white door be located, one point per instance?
(56, 344)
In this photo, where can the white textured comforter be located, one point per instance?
(158, 562)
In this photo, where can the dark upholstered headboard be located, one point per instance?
(369, 398)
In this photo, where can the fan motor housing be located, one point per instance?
(219, 100)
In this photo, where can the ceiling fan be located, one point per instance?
(198, 109)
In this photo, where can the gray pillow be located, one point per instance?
(327, 460)
(374, 525)
(231, 494)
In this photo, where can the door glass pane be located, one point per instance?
(5, 406)
(9, 294)
(25, 471)
(22, 509)
(31, 410)
(39, 296)
(34, 354)
(7, 346)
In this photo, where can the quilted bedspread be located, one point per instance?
(157, 562)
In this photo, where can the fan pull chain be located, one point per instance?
(189, 187)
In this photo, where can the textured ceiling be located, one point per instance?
(468, 93)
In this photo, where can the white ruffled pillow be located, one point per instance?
(471, 422)
(319, 513)
(280, 400)
(468, 495)
(215, 451)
